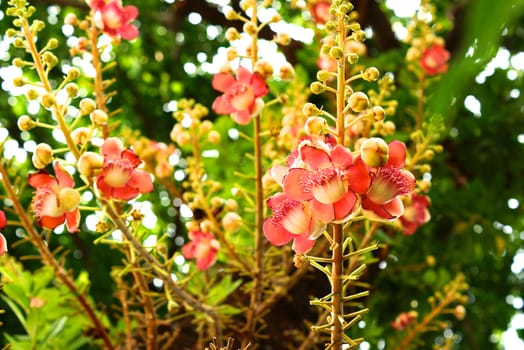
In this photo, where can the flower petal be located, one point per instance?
(222, 105)
(51, 222)
(295, 184)
(103, 186)
(358, 177)
(112, 147)
(302, 244)
(397, 154)
(321, 211)
(259, 86)
(344, 207)
(132, 157)
(128, 32)
(63, 177)
(341, 157)
(124, 193)
(314, 157)
(131, 12)
(276, 234)
(222, 82)
(141, 180)
(241, 117)
(3, 244)
(41, 179)
(243, 75)
(72, 219)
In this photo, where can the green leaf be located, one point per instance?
(55, 329)
(16, 310)
(219, 292)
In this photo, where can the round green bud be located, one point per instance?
(358, 101)
(48, 100)
(352, 58)
(19, 81)
(371, 74)
(336, 52)
(72, 90)
(52, 43)
(25, 123)
(317, 87)
(32, 94)
(73, 73)
(10, 32)
(18, 62)
(87, 106)
(50, 59)
(19, 43)
(323, 75)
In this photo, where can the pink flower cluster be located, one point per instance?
(115, 19)
(434, 60)
(325, 183)
(203, 248)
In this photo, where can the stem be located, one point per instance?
(258, 271)
(47, 85)
(122, 296)
(98, 80)
(48, 258)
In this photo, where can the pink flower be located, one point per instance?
(320, 11)
(434, 60)
(114, 19)
(3, 220)
(203, 247)
(3, 245)
(327, 178)
(404, 320)
(381, 200)
(416, 213)
(55, 200)
(120, 177)
(240, 94)
(292, 220)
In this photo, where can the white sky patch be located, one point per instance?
(473, 105)
(403, 8)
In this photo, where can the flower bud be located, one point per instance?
(231, 53)
(231, 222)
(378, 113)
(71, 19)
(459, 312)
(374, 152)
(49, 58)
(87, 106)
(42, 156)
(336, 52)
(232, 34)
(19, 81)
(287, 72)
(72, 90)
(250, 28)
(264, 68)
(283, 39)
(90, 164)
(19, 43)
(18, 62)
(98, 117)
(315, 126)
(310, 109)
(358, 101)
(323, 75)
(68, 198)
(231, 15)
(52, 44)
(231, 204)
(371, 74)
(32, 94)
(73, 73)
(214, 137)
(48, 100)
(25, 123)
(352, 58)
(317, 87)
(80, 136)
(37, 25)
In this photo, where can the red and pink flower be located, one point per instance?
(434, 60)
(381, 201)
(320, 11)
(114, 18)
(3, 241)
(416, 213)
(404, 320)
(55, 200)
(292, 221)
(120, 178)
(327, 178)
(203, 247)
(240, 94)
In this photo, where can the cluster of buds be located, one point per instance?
(191, 125)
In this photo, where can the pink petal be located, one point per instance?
(188, 250)
(395, 207)
(358, 177)
(243, 75)
(3, 220)
(314, 157)
(3, 244)
(141, 180)
(132, 157)
(41, 179)
(397, 154)
(112, 147)
(131, 12)
(345, 206)
(103, 187)
(302, 244)
(222, 82)
(203, 263)
(278, 172)
(241, 117)
(72, 220)
(124, 193)
(63, 177)
(259, 86)
(322, 211)
(51, 222)
(295, 184)
(275, 201)
(128, 32)
(341, 157)
(276, 234)
(222, 105)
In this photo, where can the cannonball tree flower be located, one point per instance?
(203, 247)
(434, 60)
(114, 18)
(416, 213)
(292, 221)
(55, 200)
(381, 201)
(240, 94)
(120, 178)
(404, 320)
(3, 241)
(327, 177)
(320, 11)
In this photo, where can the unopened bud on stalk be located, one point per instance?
(371, 74)
(374, 152)
(336, 52)
(231, 204)
(214, 137)
(310, 109)
(264, 68)
(231, 53)
(73, 73)
(18, 81)
(231, 222)
(352, 58)
(317, 87)
(358, 101)
(99, 117)
(90, 164)
(459, 312)
(80, 136)
(69, 198)
(72, 90)
(37, 25)
(48, 100)
(206, 126)
(19, 43)
(42, 156)
(87, 106)
(287, 72)
(71, 19)
(250, 28)
(323, 75)
(52, 44)
(49, 58)
(25, 123)
(232, 34)
(315, 126)
(18, 62)
(378, 113)
(276, 18)
(32, 94)
(283, 39)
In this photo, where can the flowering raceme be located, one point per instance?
(120, 178)
(434, 60)
(203, 247)
(114, 19)
(240, 94)
(55, 200)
